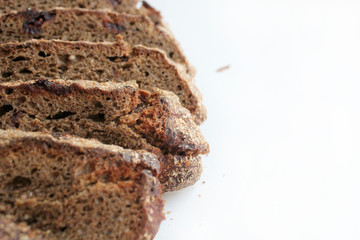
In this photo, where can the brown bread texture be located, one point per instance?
(74, 188)
(7, 6)
(113, 113)
(100, 62)
(128, 6)
(11, 230)
(155, 15)
(89, 25)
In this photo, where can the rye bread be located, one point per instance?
(11, 230)
(113, 113)
(73, 188)
(149, 11)
(7, 6)
(89, 25)
(129, 6)
(99, 62)
(124, 6)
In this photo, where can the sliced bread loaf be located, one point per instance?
(7, 6)
(100, 62)
(89, 25)
(119, 114)
(74, 188)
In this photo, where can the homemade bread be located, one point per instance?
(120, 114)
(74, 188)
(100, 62)
(7, 6)
(89, 25)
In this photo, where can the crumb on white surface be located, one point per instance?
(221, 69)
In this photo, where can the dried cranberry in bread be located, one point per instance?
(99, 62)
(73, 188)
(89, 25)
(113, 113)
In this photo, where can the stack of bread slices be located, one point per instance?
(99, 115)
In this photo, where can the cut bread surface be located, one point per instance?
(11, 230)
(113, 113)
(89, 25)
(7, 6)
(74, 188)
(128, 6)
(99, 62)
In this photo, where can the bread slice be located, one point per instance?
(7, 6)
(89, 25)
(79, 189)
(129, 6)
(119, 114)
(11, 230)
(99, 62)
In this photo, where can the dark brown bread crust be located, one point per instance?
(89, 25)
(120, 114)
(181, 172)
(117, 5)
(151, 12)
(100, 62)
(94, 171)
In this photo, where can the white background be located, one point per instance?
(283, 121)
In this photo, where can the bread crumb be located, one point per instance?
(223, 68)
(72, 57)
(199, 195)
(203, 182)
